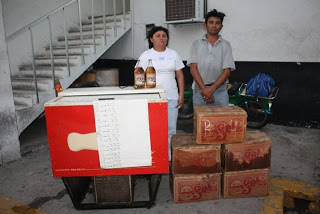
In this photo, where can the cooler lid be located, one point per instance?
(86, 96)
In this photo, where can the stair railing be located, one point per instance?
(34, 24)
(48, 18)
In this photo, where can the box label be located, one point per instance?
(250, 156)
(197, 188)
(246, 184)
(196, 161)
(228, 129)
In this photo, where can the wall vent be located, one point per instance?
(185, 11)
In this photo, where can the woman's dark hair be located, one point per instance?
(153, 31)
(215, 13)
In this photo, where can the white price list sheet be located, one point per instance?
(123, 134)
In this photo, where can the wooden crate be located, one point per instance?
(254, 153)
(219, 124)
(191, 158)
(113, 188)
(195, 187)
(247, 183)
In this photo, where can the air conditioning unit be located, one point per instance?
(185, 11)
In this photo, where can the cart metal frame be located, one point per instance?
(78, 187)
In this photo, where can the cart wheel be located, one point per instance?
(257, 114)
(183, 115)
(186, 111)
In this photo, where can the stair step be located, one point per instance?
(100, 25)
(89, 29)
(57, 61)
(39, 67)
(43, 73)
(57, 57)
(23, 98)
(21, 107)
(26, 99)
(26, 94)
(70, 47)
(118, 15)
(77, 37)
(98, 41)
(24, 83)
(99, 21)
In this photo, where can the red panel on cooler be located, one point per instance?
(63, 120)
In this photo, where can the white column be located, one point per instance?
(9, 137)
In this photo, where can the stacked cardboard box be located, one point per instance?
(195, 174)
(220, 145)
(246, 166)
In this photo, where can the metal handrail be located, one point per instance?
(114, 18)
(48, 18)
(51, 50)
(36, 22)
(34, 66)
(104, 22)
(29, 27)
(93, 31)
(66, 40)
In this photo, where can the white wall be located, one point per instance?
(9, 141)
(285, 31)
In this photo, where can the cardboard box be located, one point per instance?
(219, 124)
(107, 76)
(247, 183)
(87, 76)
(254, 153)
(195, 187)
(191, 158)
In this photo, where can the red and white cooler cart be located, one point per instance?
(103, 138)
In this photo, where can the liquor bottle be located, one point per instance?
(150, 75)
(139, 81)
(57, 86)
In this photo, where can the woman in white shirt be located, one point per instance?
(168, 66)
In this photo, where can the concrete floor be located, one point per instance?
(295, 156)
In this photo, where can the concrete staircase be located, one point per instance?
(26, 104)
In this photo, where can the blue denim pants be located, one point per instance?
(172, 121)
(221, 98)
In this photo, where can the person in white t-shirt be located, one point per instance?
(168, 66)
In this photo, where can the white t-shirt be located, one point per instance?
(166, 64)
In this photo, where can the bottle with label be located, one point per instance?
(139, 76)
(150, 75)
(57, 86)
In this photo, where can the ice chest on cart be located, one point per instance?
(219, 124)
(254, 153)
(188, 157)
(71, 116)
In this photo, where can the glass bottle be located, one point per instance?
(150, 75)
(139, 76)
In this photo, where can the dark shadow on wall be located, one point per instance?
(298, 100)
